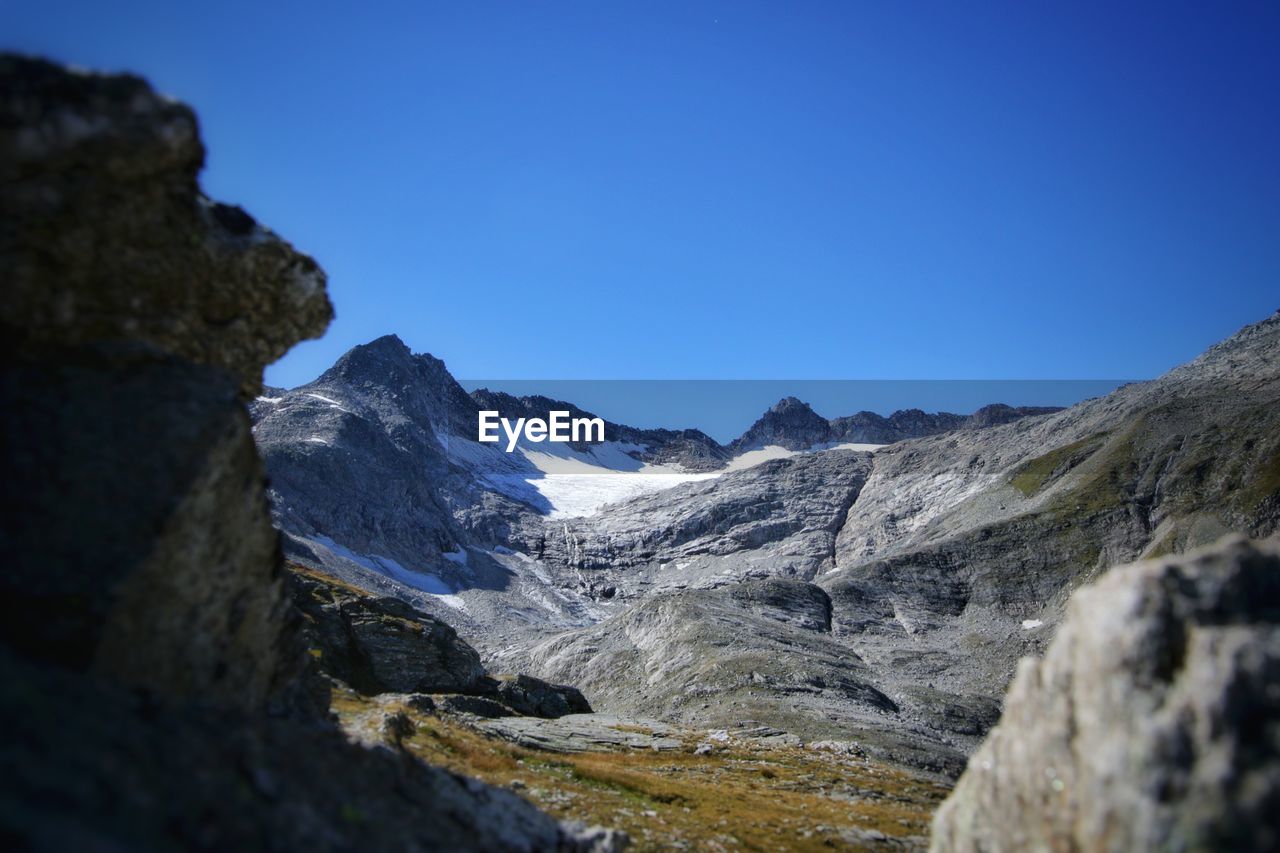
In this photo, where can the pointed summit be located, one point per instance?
(789, 423)
(789, 404)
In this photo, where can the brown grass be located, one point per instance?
(748, 796)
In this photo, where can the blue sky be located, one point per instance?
(738, 190)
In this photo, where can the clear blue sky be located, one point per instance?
(744, 190)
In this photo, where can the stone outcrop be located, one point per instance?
(109, 238)
(137, 312)
(382, 645)
(1151, 723)
(534, 697)
(138, 533)
(150, 658)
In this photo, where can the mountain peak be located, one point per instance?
(789, 423)
(790, 404)
(386, 343)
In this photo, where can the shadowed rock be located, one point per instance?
(382, 645)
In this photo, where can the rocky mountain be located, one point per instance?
(166, 683)
(945, 558)
(793, 425)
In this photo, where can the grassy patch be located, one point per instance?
(1266, 484)
(1034, 475)
(748, 796)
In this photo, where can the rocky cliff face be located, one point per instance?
(149, 654)
(138, 311)
(946, 558)
(1150, 723)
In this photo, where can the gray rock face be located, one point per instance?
(583, 732)
(759, 651)
(136, 310)
(790, 424)
(383, 645)
(377, 428)
(534, 697)
(1150, 724)
(779, 518)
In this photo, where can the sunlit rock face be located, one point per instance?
(1151, 723)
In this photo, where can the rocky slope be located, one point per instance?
(151, 662)
(379, 645)
(945, 558)
(1151, 723)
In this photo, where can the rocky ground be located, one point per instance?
(668, 787)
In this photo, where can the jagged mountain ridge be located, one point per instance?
(691, 449)
(794, 425)
(944, 557)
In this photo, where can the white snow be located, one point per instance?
(421, 581)
(579, 495)
(568, 483)
(459, 556)
(1031, 624)
(272, 400)
(315, 439)
(751, 458)
(333, 404)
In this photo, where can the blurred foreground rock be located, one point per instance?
(1151, 723)
(151, 662)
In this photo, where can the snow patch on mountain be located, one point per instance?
(422, 581)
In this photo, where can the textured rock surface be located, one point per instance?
(108, 236)
(148, 652)
(382, 645)
(1152, 723)
(758, 651)
(534, 697)
(779, 518)
(583, 732)
(136, 311)
(136, 528)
